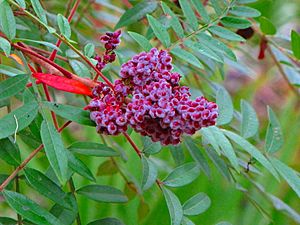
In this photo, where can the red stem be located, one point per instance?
(136, 149)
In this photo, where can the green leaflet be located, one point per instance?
(174, 206)
(13, 85)
(7, 20)
(64, 26)
(5, 46)
(197, 204)
(92, 149)
(55, 151)
(149, 173)
(159, 30)
(295, 43)
(19, 118)
(103, 193)
(186, 56)
(9, 152)
(29, 209)
(40, 12)
(249, 123)
(141, 40)
(225, 106)
(136, 13)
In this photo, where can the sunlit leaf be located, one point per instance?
(295, 43)
(267, 26)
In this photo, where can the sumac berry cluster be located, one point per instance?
(110, 40)
(159, 107)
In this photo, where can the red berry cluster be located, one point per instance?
(159, 108)
(110, 40)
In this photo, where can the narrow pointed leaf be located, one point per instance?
(226, 34)
(274, 137)
(159, 30)
(13, 86)
(175, 23)
(55, 150)
(186, 56)
(5, 46)
(197, 155)
(64, 26)
(10, 71)
(63, 84)
(40, 12)
(69, 112)
(136, 13)
(182, 175)
(29, 209)
(174, 206)
(249, 124)
(79, 167)
(189, 13)
(201, 9)
(252, 150)
(235, 22)
(45, 186)
(225, 106)
(92, 149)
(149, 173)
(244, 11)
(287, 173)
(102, 193)
(7, 20)
(141, 40)
(19, 118)
(9, 152)
(197, 204)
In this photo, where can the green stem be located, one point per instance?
(72, 189)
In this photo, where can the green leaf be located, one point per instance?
(197, 155)
(42, 184)
(5, 46)
(249, 123)
(175, 23)
(150, 147)
(203, 50)
(189, 13)
(226, 34)
(186, 56)
(267, 26)
(201, 9)
(174, 206)
(68, 216)
(216, 45)
(72, 113)
(252, 150)
(45, 43)
(274, 137)
(64, 26)
(177, 154)
(92, 149)
(210, 138)
(182, 175)
(141, 40)
(19, 118)
(9, 71)
(226, 146)
(40, 12)
(79, 167)
(295, 43)
(107, 221)
(235, 22)
(223, 223)
(225, 107)
(29, 209)
(13, 86)
(7, 221)
(9, 152)
(197, 204)
(21, 3)
(149, 173)
(159, 30)
(80, 69)
(244, 11)
(89, 49)
(102, 193)
(7, 20)
(55, 151)
(287, 173)
(136, 13)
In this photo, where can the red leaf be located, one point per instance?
(63, 83)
